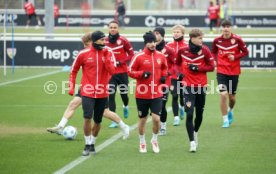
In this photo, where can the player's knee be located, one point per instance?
(232, 97)
(223, 95)
(75, 103)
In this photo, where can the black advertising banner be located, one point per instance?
(262, 54)
(146, 20)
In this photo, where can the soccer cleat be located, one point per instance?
(143, 148)
(125, 131)
(86, 150)
(225, 124)
(181, 113)
(56, 129)
(162, 132)
(196, 139)
(125, 111)
(155, 146)
(113, 125)
(176, 121)
(230, 117)
(192, 146)
(92, 149)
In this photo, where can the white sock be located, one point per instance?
(192, 142)
(92, 139)
(176, 118)
(163, 125)
(142, 139)
(122, 124)
(63, 122)
(225, 118)
(125, 106)
(230, 109)
(154, 137)
(87, 139)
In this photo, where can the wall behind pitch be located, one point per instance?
(59, 53)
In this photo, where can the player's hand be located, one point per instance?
(163, 79)
(180, 77)
(193, 67)
(71, 91)
(146, 74)
(231, 57)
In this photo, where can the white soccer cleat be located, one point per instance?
(125, 131)
(56, 129)
(176, 121)
(192, 146)
(162, 132)
(155, 146)
(143, 148)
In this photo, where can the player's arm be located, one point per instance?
(133, 69)
(129, 50)
(171, 61)
(243, 50)
(73, 74)
(214, 51)
(209, 62)
(164, 67)
(109, 61)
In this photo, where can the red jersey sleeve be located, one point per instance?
(214, 49)
(209, 61)
(109, 61)
(129, 50)
(243, 49)
(73, 74)
(133, 68)
(164, 67)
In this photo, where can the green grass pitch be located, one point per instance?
(246, 147)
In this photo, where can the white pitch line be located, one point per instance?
(105, 144)
(30, 78)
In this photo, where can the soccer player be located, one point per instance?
(213, 13)
(228, 49)
(30, 12)
(177, 43)
(149, 68)
(161, 46)
(195, 60)
(120, 12)
(97, 67)
(123, 52)
(76, 102)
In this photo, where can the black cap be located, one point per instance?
(226, 23)
(96, 35)
(160, 30)
(149, 37)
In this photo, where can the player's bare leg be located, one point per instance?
(223, 108)
(114, 117)
(155, 130)
(70, 110)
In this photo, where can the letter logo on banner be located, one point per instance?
(262, 50)
(150, 21)
(56, 54)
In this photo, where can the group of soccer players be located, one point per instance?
(179, 67)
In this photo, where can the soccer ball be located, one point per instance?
(69, 132)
